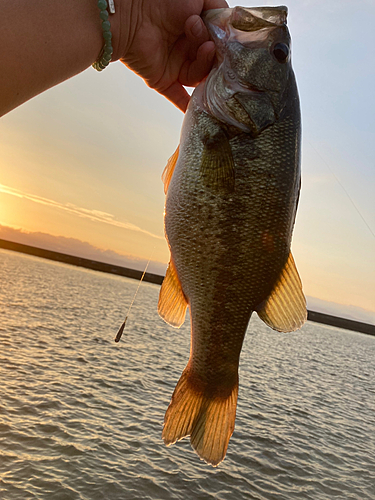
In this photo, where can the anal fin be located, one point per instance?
(172, 302)
(285, 308)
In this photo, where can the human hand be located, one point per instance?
(168, 45)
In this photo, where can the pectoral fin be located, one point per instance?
(217, 165)
(285, 308)
(172, 302)
(169, 169)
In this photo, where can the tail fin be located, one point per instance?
(208, 420)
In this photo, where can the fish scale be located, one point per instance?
(231, 197)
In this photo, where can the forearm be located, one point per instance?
(44, 42)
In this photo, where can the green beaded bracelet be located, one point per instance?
(105, 55)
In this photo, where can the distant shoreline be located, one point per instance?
(317, 317)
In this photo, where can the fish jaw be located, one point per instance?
(246, 18)
(224, 25)
(246, 87)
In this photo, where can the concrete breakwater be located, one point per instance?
(81, 262)
(315, 316)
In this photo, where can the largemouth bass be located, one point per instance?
(232, 189)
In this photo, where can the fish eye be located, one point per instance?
(281, 52)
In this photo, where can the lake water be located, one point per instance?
(81, 417)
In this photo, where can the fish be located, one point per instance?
(232, 189)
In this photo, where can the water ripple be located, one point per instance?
(81, 417)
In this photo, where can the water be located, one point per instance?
(81, 417)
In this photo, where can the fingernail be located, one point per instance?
(196, 29)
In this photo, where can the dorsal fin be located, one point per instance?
(172, 302)
(285, 308)
(169, 169)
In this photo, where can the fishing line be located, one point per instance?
(343, 188)
(119, 333)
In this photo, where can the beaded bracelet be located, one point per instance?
(105, 55)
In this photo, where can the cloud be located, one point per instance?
(91, 214)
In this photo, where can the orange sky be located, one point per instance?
(84, 159)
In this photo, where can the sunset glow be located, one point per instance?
(82, 163)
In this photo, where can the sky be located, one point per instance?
(81, 164)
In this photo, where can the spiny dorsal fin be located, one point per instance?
(172, 302)
(285, 308)
(169, 169)
(217, 165)
(209, 421)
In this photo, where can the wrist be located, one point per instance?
(121, 27)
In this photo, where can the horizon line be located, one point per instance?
(157, 279)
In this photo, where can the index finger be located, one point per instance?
(177, 94)
(214, 4)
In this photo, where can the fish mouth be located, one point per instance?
(227, 96)
(254, 18)
(249, 26)
(246, 19)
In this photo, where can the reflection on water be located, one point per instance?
(81, 417)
